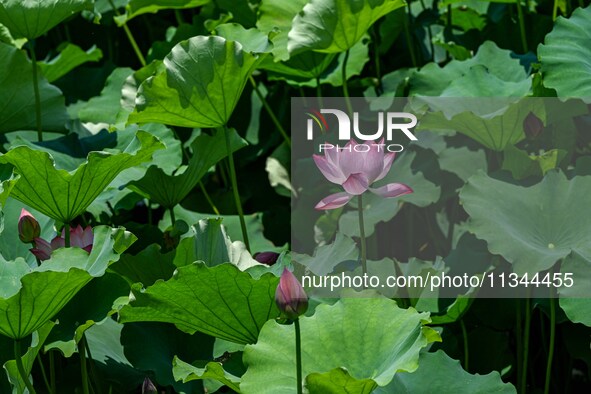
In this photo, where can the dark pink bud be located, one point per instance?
(42, 249)
(148, 387)
(290, 297)
(28, 227)
(532, 125)
(268, 258)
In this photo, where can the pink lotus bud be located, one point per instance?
(148, 387)
(532, 125)
(42, 249)
(290, 297)
(28, 227)
(268, 258)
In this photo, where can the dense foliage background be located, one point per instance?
(139, 102)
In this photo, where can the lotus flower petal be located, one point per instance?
(334, 201)
(392, 190)
(356, 184)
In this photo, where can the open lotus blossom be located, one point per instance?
(355, 171)
(81, 238)
(28, 227)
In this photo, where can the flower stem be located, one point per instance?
(67, 235)
(269, 110)
(465, 337)
(84, 371)
(44, 374)
(551, 346)
(130, 37)
(345, 86)
(208, 198)
(362, 234)
(521, 25)
(235, 191)
(298, 343)
(36, 90)
(408, 36)
(21, 368)
(172, 217)
(52, 372)
(526, 330)
(319, 92)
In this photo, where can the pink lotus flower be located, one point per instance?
(355, 171)
(28, 227)
(80, 238)
(290, 297)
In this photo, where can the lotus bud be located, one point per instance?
(532, 125)
(28, 227)
(268, 258)
(290, 297)
(148, 387)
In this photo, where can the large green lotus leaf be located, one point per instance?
(327, 257)
(496, 129)
(29, 297)
(211, 245)
(277, 16)
(138, 7)
(63, 195)
(372, 338)
(333, 26)
(169, 190)
(338, 381)
(493, 70)
(532, 227)
(186, 372)
(221, 301)
(17, 97)
(70, 57)
(252, 40)
(566, 55)
(439, 373)
(33, 18)
(37, 340)
(378, 209)
(200, 86)
(166, 342)
(146, 267)
(575, 301)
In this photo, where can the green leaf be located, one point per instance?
(333, 26)
(252, 40)
(170, 190)
(212, 246)
(28, 358)
(440, 373)
(532, 227)
(276, 16)
(327, 257)
(30, 297)
(200, 85)
(70, 57)
(372, 338)
(497, 124)
(523, 165)
(63, 195)
(221, 301)
(565, 55)
(575, 301)
(338, 381)
(138, 7)
(146, 267)
(32, 19)
(17, 98)
(213, 370)
(491, 72)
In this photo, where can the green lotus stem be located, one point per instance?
(172, 217)
(67, 235)
(208, 198)
(130, 37)
(44, 374)
(235, 191)
(376, 57)
(409, 41)
(298, 344)
(555, 10)
(92, 367)
(465, 337)
(345, 86)
(319, 92)
(83, 369)
(521, 25)
(519, 340)
(526, 330)
(430, 32)
(269, 110)
(551, 345)
(362, 235)
(21, 368)
(179, 17)
(52, 372)
(36, 90)
(149, 206)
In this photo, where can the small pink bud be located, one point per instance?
(268, 258)
(290, 297)
(532, 125)
(28, 227)
(148, 387)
